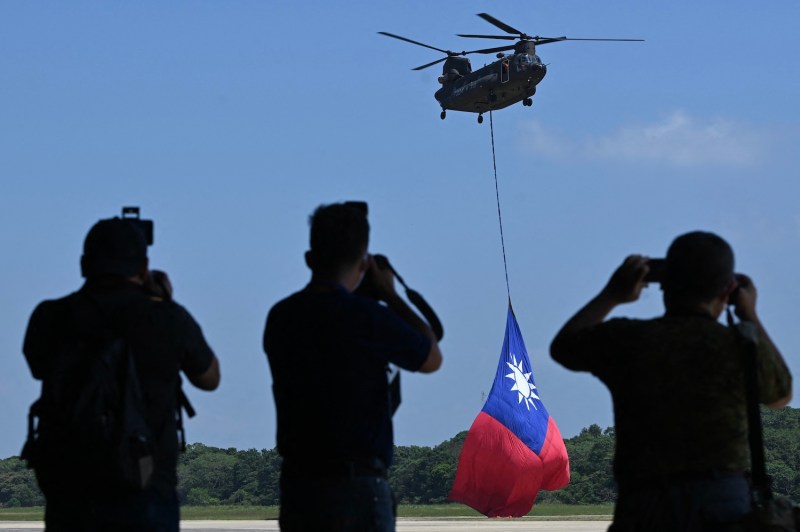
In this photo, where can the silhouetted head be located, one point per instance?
(339, 238)
(114, 247)
(699, 268)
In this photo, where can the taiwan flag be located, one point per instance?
(513, 448)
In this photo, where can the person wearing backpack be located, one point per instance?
(103, 437)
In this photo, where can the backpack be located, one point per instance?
(90, 421)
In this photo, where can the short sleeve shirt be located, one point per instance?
(165, 340)
(678, 389)
(328, 352)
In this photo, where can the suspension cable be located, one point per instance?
(499, 215)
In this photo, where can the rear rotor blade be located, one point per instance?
(578, 39)
(548, 40)
(448, 52)
(492, 50)
(502, 25)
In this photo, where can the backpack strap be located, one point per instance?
(182, 400)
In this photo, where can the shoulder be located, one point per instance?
(619, 329)
(49, 307)
(388, 336)
(296, 299)
(50, 323)
(289, 309)
(51, 314)
(775, 379)
(610, 334)
(337, 304)
(170, 313)
(598, 345)
(138, 303)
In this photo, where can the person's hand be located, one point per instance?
(158, 284)
(380, 281)
(377, 283)
(744, 298)
(627, 281)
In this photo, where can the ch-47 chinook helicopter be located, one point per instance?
(510, 79)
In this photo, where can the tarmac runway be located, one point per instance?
(403, 525)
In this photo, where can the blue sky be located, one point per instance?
(228, 122)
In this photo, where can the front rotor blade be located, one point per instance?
(430, 64)
(415, 42)
(502, 25)
(504, 37)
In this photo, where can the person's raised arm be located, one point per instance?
(625, 286)
(383, 286)
(744, 302)
(209, 379)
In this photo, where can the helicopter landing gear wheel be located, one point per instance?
(442, 115)
(480, 118)
(527, 102)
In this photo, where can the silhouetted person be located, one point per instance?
(328, 351)
(678, 388)
(119, 298)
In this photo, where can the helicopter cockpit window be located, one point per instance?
(524, 62)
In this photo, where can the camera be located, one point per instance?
(658, 269)
(360, 206)
(656, 273)
(131, 215)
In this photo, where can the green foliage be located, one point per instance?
(782, 449)
(212, 477)
(18, 485)
(591, 479)
(424, 475)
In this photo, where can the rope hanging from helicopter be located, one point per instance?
(499, 213)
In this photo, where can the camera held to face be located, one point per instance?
(131, 215)
(656, 270)
(657, 274)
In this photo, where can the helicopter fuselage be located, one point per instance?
(509, 80)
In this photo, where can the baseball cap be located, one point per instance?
(113, 247)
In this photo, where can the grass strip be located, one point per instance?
(545, 511)
(30, 513)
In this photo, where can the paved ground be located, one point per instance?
(403, 525)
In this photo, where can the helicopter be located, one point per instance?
(510, 79)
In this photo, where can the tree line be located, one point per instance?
(420, 475)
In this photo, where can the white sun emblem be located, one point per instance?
(522, 384)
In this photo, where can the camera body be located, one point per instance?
(131, 215)
(657, 269)
(360, 206)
